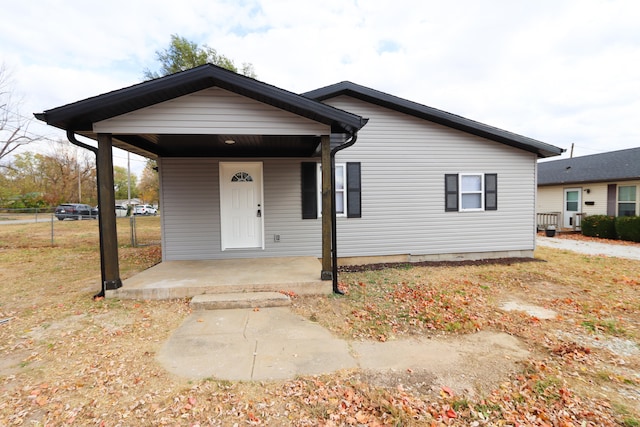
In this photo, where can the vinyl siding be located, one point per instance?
(403, 163)
(191, 211)
(404, 160)
(211, 111)
(551, 199)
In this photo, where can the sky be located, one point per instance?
(565, 72)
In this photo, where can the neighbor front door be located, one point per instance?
(241, 210)
(572, 202)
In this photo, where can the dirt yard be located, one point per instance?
(568, 325)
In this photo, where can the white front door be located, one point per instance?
(572, 202)
(241, 210)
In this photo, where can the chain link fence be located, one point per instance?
(45, 229)
(26, 214)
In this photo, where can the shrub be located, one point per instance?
(599, 226)
(628, 228)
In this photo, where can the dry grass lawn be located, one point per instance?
(66, 359)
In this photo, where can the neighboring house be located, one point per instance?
(244, 159)
(604, 184)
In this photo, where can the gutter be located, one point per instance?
(334, 224)
(71, 136)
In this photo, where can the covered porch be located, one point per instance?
(186, 279)
(209, 114)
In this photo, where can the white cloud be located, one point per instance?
(560, 71)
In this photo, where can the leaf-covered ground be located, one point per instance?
(66, 359)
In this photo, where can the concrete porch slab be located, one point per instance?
(184, 279)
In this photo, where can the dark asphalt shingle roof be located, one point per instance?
(434, 115)
(612, 166)
(79, 116)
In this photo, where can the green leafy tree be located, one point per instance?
(183, 54)
(63, 175)
(121, 183)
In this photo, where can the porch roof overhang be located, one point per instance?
(79, 117)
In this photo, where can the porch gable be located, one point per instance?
(211, 111)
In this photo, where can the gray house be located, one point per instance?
(251, 165)
(599, 184)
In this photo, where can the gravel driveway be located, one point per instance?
(591, 248)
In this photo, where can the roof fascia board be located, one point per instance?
(82, 114)
(434, 115)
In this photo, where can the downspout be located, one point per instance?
(334, 225)
(71, 136)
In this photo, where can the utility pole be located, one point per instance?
(79, 180)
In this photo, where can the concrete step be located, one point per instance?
(239, 300)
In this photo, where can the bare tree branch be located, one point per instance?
(14, 127)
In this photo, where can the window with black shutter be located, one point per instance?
(348, 190)
(469, 192)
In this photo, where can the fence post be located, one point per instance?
(52, 216)
(132, 221)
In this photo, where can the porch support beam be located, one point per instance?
(325, 145)
(106, 214)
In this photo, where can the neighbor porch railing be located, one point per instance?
(548, 219)
(577, 221)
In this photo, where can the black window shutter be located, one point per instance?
(490, 192)
(309, 190)
(612, 199)
(451, 192)
(354, 202)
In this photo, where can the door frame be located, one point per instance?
(223, 167)
(566, 221)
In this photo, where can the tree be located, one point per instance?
(63, 175)
(149, 186)
(183, 54)
(121, 183)
(14, 128)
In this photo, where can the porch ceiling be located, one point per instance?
(216, 145)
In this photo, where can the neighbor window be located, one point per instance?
(627, 200)
(468, 192)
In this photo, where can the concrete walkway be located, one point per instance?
(591, 248)
(276, 344)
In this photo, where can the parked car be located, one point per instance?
(145, 210)
(121, 211)
(75, 211)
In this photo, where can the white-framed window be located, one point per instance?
(341, 189)
(627, 200)
(471, 192)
